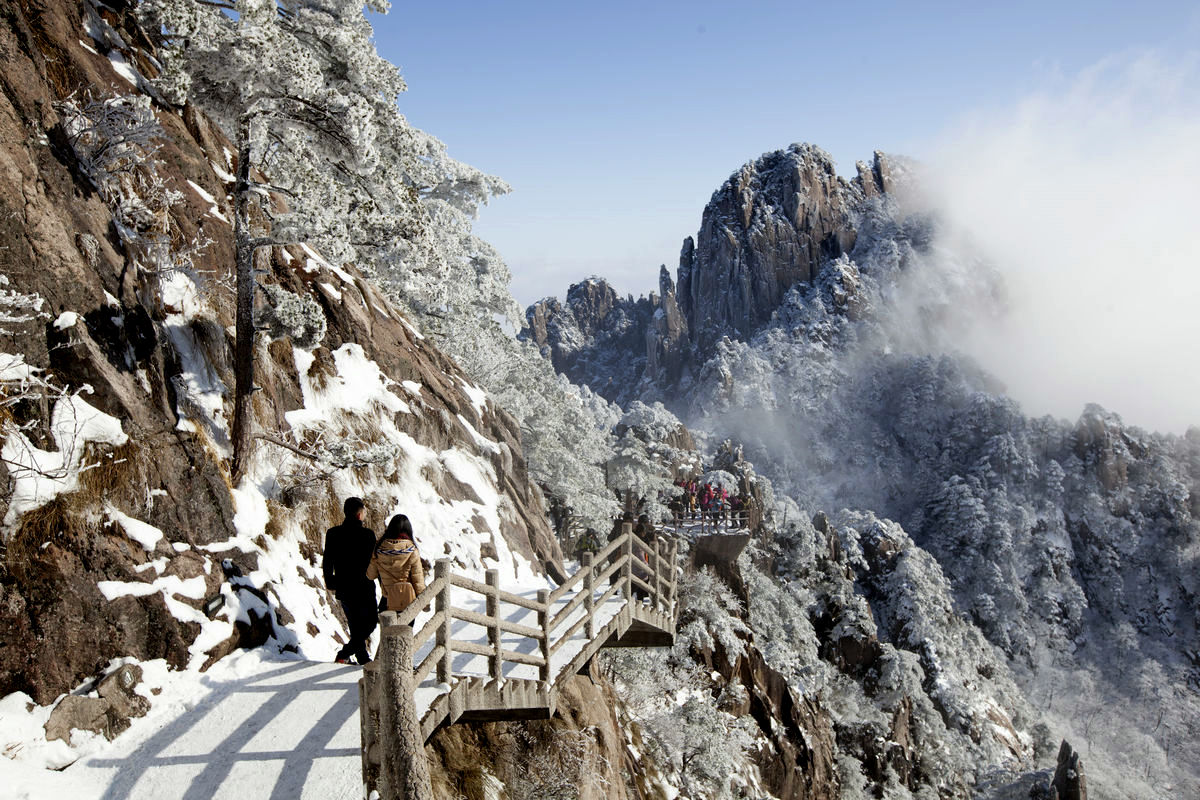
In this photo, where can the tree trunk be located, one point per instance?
(243, 358)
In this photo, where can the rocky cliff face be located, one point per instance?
(597, 337)
(667, 342)
(771, 226)
(159, 362)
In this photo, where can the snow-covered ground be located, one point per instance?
(256, 725)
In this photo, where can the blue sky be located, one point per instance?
(614, 122)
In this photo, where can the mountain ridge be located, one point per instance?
(772, 224)
(1068, 545)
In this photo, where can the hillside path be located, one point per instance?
(289, 731)
(279, 729)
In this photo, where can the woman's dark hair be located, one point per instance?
(399, 527)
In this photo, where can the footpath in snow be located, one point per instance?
(256, 725)
(289, 731)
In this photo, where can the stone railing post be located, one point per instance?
(441, 572)
(589, 597)
(543, 597)
(368, 714)
(404, 771)
(674, 576)
(495, 660)
(627, 569)
(656, 601)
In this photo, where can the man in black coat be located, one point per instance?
(348, 549)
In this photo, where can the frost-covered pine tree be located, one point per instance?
(642, 466)
(566, 442)
(456, 284)
(311, 108)
(323, 154)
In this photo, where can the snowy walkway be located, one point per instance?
(288, 730)
(260, 726)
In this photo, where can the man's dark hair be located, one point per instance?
(352, 506)
(399, 527)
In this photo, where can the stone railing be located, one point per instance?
(569, 630)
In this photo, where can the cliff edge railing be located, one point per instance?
(487, 654)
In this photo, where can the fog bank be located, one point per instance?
(1085, 196)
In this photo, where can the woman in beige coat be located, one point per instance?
(397, 565)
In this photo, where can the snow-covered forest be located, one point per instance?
(242, 287)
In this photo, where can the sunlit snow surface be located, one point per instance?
(38, 475)
(254, 726)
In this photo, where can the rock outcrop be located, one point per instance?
(1069, 783)
(774, 224)
(667, 342)
(771, 225)
(108, 714)
(797, 746)
(581, 752)
(597, 337)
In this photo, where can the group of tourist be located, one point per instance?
(706, 502)
(353, 561)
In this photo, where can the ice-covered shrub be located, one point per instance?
(705, 745)
(291, 315)
(711, 615)
(555, 764)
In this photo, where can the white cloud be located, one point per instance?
(1085, 195)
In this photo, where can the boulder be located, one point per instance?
(76, 712)
(118, 689)
(108, 714)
